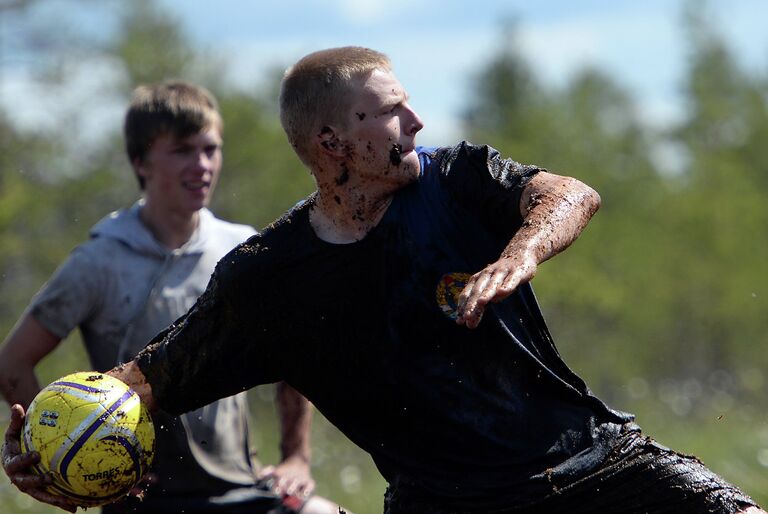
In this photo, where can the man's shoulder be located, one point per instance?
(293, 223)
(441, 158)
(277, 246)
(427, 154)
(100, 251)
(93, 260)
(466, 156)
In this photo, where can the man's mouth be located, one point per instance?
(196, 185)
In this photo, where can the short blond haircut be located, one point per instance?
(315, 91)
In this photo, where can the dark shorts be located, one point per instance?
(258, 499)
(640, 476)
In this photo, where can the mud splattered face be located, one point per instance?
(381, 130)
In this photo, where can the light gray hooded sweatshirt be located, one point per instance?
(121, 288)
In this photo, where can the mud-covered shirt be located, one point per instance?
(367, 332)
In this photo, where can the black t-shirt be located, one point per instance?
(366, 332)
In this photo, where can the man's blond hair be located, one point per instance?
(315, 91)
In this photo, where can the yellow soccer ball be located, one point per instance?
(93, 434)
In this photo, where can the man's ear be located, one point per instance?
(328, 141)
(138, 167)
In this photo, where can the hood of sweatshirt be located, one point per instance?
(126, 226)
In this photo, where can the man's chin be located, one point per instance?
(195, 206)
(410, 160)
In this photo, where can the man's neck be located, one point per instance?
(340, 215)
(171, 229)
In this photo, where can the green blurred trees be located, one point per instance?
(660, 304)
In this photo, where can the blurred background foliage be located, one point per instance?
(661, 305)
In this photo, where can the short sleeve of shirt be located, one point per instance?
(69, 296)
(480, 180)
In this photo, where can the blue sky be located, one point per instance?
(437, 46)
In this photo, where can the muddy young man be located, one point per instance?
(397, 299)
(141, 269)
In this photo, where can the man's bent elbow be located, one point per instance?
(584, 195)
(594, 200)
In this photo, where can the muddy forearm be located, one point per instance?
(556, 210)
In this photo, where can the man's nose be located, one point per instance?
(414, 123)
(204, 161)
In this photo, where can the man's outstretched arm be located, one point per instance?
(555, 211)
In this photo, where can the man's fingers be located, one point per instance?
(493, 284)
(495, 290)
(21, 463)
(481, 289)
(289, 485)
(461, 301)
(306, 488)
(34, 486)
(11, 446)
(302, 487)
(468, 296)
(27, 481)
(508, 285)
(294, 487)
(13, 432)
(13, 460)
(286, 486)
(17, 465)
